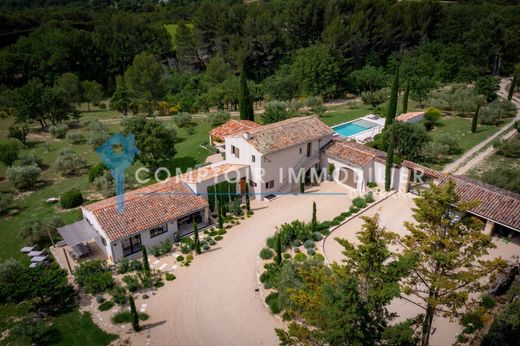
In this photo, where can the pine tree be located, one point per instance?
(245, 103)
(512, 88)
(135, 315)
(248, 203)
(278, 247)
(475, 120)
(449, 252)
(392, 104)
(405, 96)
(196, 239)
(121, 100)
(389, 160)
(146, 264)
(314, 220)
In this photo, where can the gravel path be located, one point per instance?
(466, 162)
(214, 302)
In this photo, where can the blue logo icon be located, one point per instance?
(117, 153)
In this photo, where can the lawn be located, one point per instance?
(76, 328)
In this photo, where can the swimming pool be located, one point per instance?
(354, 127)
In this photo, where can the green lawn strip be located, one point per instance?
(76, 328)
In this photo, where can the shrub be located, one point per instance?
(359, 202)
(286, 255)
(8, 152)
(296, 243)
(488, 302)
(179, 258)
(106, 305)
(271, 242)
(309, 244)
(219, 118)
(371, 184)
(135, 265)
(185, 249)
(126, 317)
(96, 171)
(59, 131)
(5, 202)
(353, 209)
(71, 199)
(300, 257)
(182, 119)
(296, 250)
(132, 282)
(206, 247)
(75, 138)
(272, 302)
(158, 283)
(435, 152)
(38, 230)
(100, 299)
(509, 147)
(369, 197)
(155, 251)
(69, 162)
(166, 246)
(170, 277)
(23, 177)
(318, 257)
(472, 322)
(123, 266)
(317, 236)
(450, 141)
(212, 242)
(431, 117)
(266, 253)
(93, 276)
(96, 138)
(32, 159)
(218, 238)
(311, 252)
(221, 232)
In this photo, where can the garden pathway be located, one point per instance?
(466, 162)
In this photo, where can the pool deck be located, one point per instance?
(363, 136)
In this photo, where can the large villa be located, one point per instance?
(271, 160)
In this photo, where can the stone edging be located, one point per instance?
(348, 219)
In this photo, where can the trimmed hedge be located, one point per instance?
(266, 253)
(106, 305)
(272, 301)
(71, 199)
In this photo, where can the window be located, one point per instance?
(252, 183)
(269, 184)
(104, 241)
(300, 150)
(131, 245)
(235, 151)
(253, 158)
(309, 146)
(154, 232)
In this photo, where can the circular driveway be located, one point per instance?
(213, 302)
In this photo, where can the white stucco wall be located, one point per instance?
(358, 171)
(92, 220)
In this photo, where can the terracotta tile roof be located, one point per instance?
(232, 127)
(423, 169)
(496, 204)
(146, 207)
(208, 172)
(288, 133)
(353, 152)
(409, 116)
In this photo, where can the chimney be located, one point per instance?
(247, 135)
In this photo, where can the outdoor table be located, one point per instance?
(27, 249)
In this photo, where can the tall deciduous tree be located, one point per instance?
(92, 92)
(449, 245)
(70, 86)
(245, 100)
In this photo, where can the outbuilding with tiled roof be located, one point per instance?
(231, 128)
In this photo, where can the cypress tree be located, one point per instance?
(389, 161)
(314, 220)
(248, 203)
(278, 246)
(146, 264)
(512, 88)
(302, 181)
(219, 215)
(475, 120)
(405, 96)
(245, 103)
(133, 312)
(196, 239)
(392, 104)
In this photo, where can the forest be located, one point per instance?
(194, 51)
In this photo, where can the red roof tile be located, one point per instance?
(209, 172)
(232, 127)
(146, 207)
(409, 116)
(287, 133)
(423, 169)
(353, 152)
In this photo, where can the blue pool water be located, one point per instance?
(353, 128)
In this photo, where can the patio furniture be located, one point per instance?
(27, 249)
(79, 250)
(39, 258)
(35, 253)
